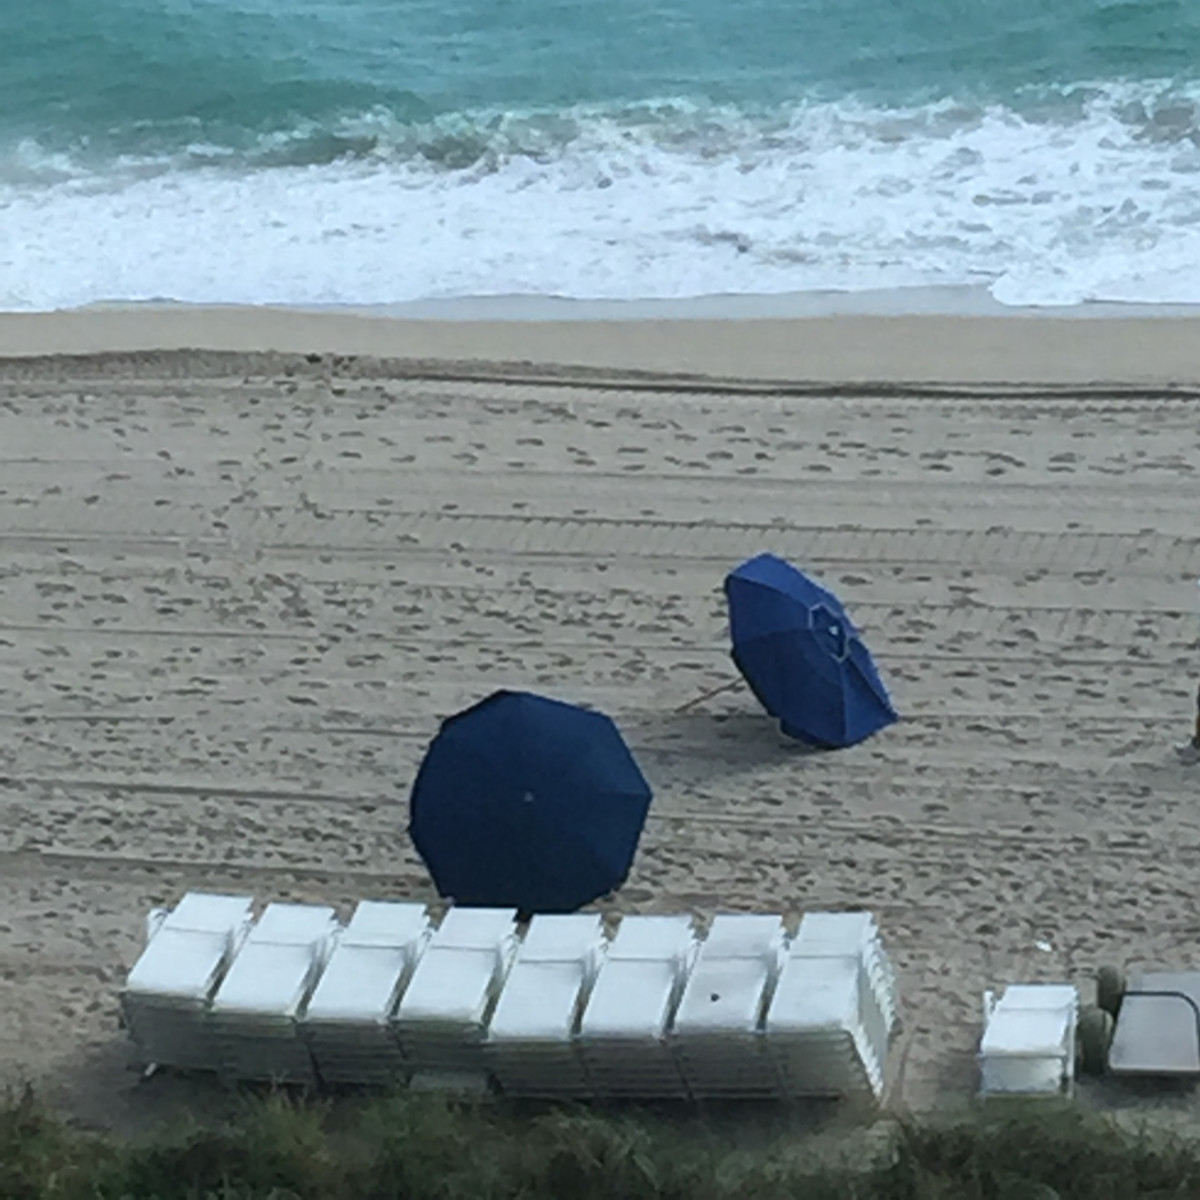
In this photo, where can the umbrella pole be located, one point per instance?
(725, 687)
(1196, 730)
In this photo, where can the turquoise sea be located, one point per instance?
(379, 151)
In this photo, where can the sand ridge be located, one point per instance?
(236, 601)
(1097, 346)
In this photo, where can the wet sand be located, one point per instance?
(238, 592)
(887, 346)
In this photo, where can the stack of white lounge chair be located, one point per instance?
(654, 1013)
(719, 1031)
(532, 1040)
(348, 1020)
(823, 933)
(167, 995)
(254, 1015)
(623, 1034)
(443, 1016)
(1028, 1043)
(834, 1011)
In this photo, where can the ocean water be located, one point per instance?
(379, 151)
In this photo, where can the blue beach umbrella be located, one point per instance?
(529, 803)
(802, 656)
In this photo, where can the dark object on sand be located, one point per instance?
(1189, 752)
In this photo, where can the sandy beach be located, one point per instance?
(240, 589)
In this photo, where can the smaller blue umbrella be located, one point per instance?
(801, 655)
(529, 803)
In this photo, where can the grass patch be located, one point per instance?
(420, 1147)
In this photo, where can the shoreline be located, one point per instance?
(938, 344)
(947, 301)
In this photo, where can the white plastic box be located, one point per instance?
(1028, 1042)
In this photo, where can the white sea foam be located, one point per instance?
(1096, 199)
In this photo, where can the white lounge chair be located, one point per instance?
(532, 1035)
(830, 1022)
(442, 1018)
(254, 1013)
(167, 993)
(823, 933)
(348, 1019)
(816, 1033)
(719, 1028)
(1028, 1042)
(623, 1034)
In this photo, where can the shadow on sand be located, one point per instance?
(697, 745)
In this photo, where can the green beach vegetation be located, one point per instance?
(419, 1147)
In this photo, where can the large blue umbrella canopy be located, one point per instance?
(529, 803)
(802, 656)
